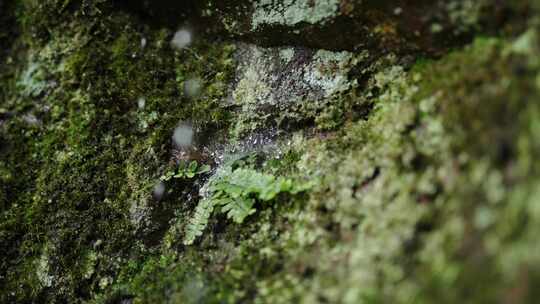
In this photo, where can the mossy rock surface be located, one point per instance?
(374, 152)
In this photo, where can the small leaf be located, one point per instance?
(182, 165)
(302, 187)
(234, 190)
(239, 209)
(199, 221)
(204, 169)
(167, 176)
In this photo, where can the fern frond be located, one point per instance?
(238, 208)
(236, 192)
(199, 221)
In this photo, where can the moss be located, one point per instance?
(399, 217)
(414, 240)
(424, 179)
(83, 164)
(488, 140)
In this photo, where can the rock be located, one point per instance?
(388, 26)
(401, 178)
(279, 82)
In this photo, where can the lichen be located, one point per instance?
(292, 12)
(308, 86)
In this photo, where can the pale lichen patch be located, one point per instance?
(293, 12)
(43, 270)
(273, 81)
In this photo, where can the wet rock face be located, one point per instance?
(396, 26)
(284, 76)
(329, 24)
(393, 26)
(285, 87)
(398, 164)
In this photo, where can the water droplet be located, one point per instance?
(182, 38)
(192, 87)
(183, 136)
(141, 102)
(159, 191)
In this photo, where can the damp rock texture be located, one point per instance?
(284, 87)
(269, 151)
(397, 26)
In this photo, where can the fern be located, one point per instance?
(237, 209)
(186, 170)
(247, 181)
(199, 221)
(236, 193)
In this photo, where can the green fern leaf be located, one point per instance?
(235, 193)
(199, 221)
(238, 209)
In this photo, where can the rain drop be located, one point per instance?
(183, 136)
(159, 191)
(192, 87)
(182, 38)
(141, 103)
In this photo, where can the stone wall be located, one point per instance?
(269, 151)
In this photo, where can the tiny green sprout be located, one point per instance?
(186, 170)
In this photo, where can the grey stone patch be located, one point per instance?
(286, 54)
(284, 75)
(293, 12)
(285, 87)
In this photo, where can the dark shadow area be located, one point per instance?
(9, 26)
(162, 13)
